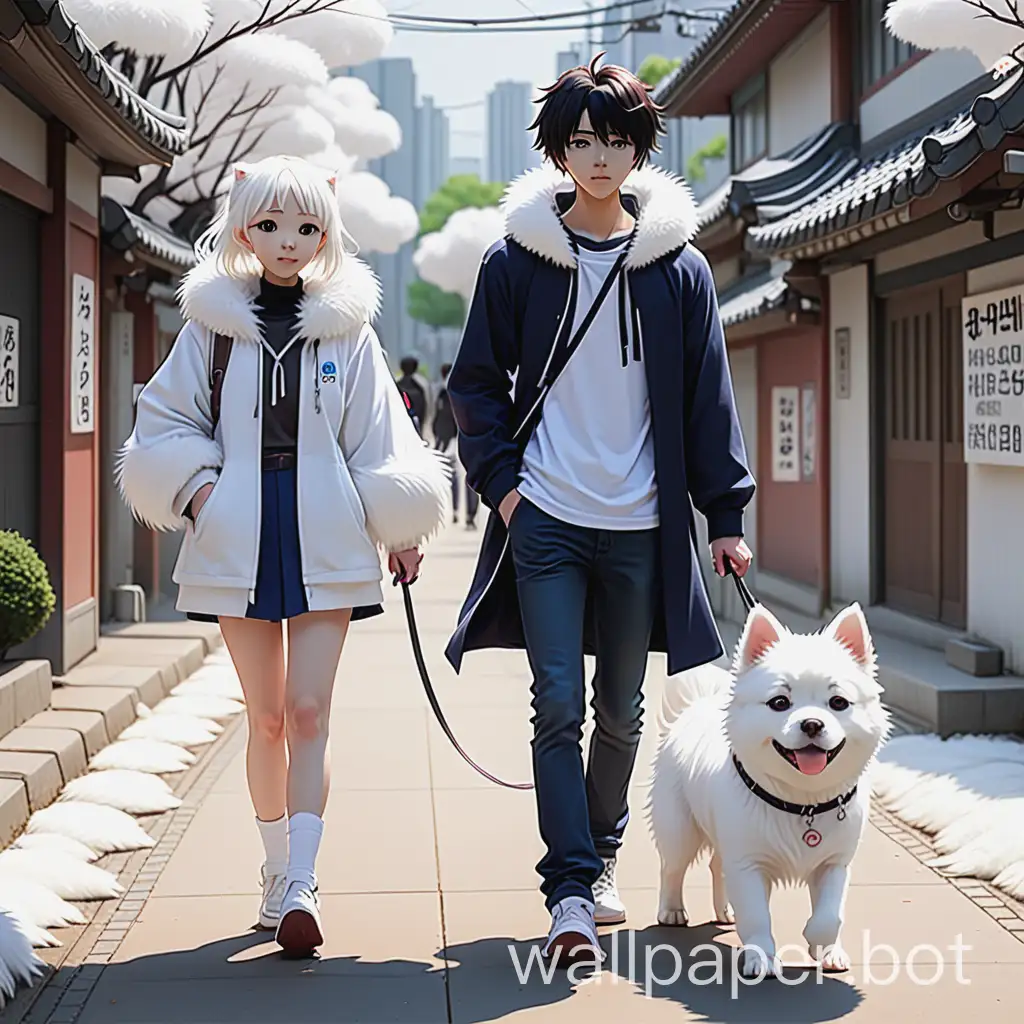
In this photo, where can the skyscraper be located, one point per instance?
(567, 59)
(415, 170)
(509, 144)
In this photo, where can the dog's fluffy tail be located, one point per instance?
(686, 688)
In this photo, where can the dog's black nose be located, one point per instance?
(811, 726)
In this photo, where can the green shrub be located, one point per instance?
(26, 598)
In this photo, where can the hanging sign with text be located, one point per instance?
(993, 340)
(785, 435)
(83, 355)
(10, 341)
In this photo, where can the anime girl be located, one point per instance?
(286, 499)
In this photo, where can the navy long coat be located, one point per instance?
(522, 297)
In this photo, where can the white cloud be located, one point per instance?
(172, 28)
(450, 258)
(377, 220)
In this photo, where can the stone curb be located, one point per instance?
(1000, 906)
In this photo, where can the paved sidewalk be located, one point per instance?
(427, 876)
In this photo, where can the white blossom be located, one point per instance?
(377, 220)
(169, 28)
(955, 25)
(450, 258)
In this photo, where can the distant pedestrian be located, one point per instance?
(445, 432)
(415, 386)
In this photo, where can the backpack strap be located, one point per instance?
(221, 354)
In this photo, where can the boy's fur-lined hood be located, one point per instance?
(331, 309)
(668, 214)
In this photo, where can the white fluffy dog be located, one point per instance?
(767, 771)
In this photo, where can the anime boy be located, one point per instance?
(591, 544)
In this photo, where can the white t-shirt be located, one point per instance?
(590, 461)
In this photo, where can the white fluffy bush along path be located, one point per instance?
(52, 865)
(966, 792)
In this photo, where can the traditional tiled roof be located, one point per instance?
(911, 168)
(124, 230)
(713, 207)
(159, 128)
(759, 294)
(994, 115)
(776, 186)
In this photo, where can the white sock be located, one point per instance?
(275, 844)
(304, 833)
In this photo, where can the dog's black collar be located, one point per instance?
(804, 810)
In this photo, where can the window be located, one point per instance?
(879, 53)
(749, 123)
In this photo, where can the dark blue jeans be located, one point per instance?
(563, 573)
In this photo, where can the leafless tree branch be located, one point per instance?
(265, 20)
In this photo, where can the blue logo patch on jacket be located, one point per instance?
(328, 372)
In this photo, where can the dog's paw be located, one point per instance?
(673, 917)
(832, 959)
(725, 915)
(755, 964)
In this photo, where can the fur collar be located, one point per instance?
(668, 214)
(332, 309)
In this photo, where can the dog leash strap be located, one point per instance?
(746, 596)
(421, 665)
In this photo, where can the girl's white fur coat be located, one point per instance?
(366, 480)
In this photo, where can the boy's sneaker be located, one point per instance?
(272, 881)
(299, 931)
(608, 908)
(573, 935)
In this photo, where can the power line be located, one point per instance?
(552, 16)
(473, 30)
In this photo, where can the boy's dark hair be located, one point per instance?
(409, 365)
(618, 104)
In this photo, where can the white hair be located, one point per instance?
(263, 186)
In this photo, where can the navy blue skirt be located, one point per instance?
(280, 592)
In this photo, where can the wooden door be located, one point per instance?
(953, 609)
(925, 476)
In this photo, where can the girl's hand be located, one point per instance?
(199, 499)
(405, 565)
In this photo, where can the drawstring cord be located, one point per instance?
(316, 375)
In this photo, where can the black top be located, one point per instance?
(278, 309)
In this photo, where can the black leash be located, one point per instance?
(421, 664)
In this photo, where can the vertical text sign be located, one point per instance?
(9, 343)
(809, 423)
(785, 436)
(83, 355)
(843, 362)
(993, 339)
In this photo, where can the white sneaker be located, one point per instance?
(299, 931)
(573, 934)
(273, 893)
(608, 908)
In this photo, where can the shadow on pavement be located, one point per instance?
(244, 980)
(493, 977)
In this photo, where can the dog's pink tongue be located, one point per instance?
(811, 760)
